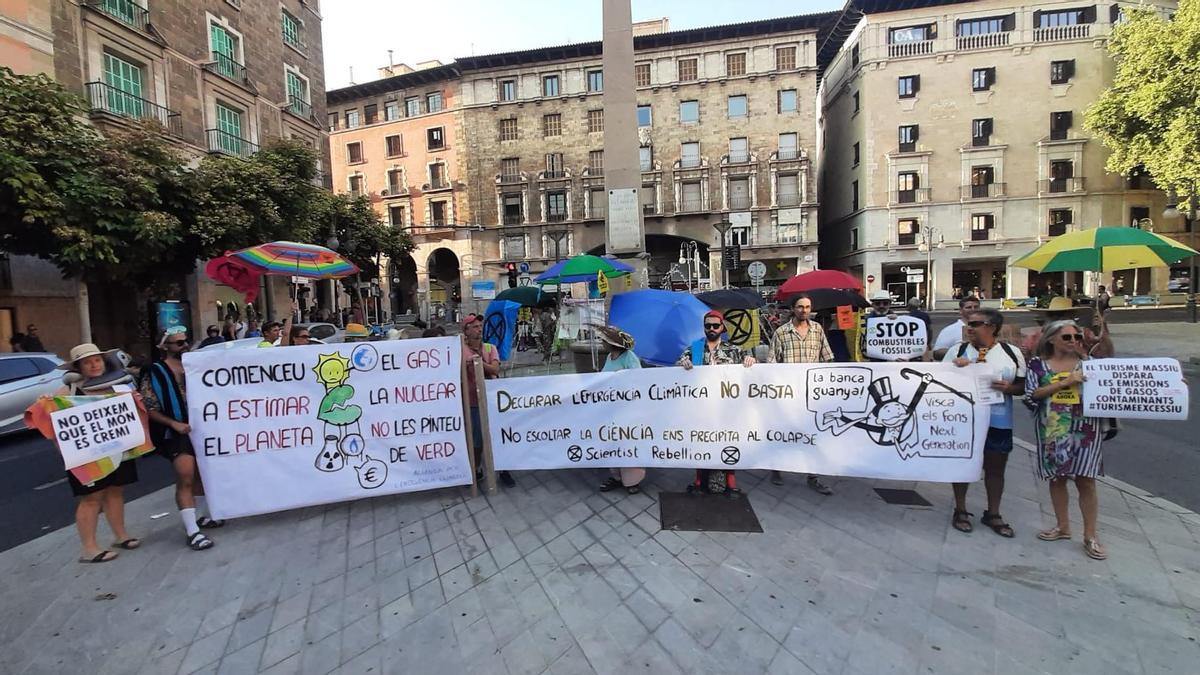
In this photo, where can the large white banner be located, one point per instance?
(877, 420)
(287, 427)
(1148, 388)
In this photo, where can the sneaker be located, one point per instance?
(815, 483)
(507, 479)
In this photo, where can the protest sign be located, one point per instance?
(283, 428)
(874, 420)
(845, 317)
(1150, 388)
(894, 337)
(100, 428)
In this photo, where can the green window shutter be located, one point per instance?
(224, 46)
(296, 87)
(125, 82)
(291, 29)
(229, 124)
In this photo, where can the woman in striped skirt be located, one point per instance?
(1068, 442)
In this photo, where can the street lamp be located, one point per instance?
(928, 236)
(722, 229)
(1189, 217)
(687, 253)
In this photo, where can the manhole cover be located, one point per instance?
(901, 497)
(704, 512)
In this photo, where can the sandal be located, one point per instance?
(129, 544)
(611, 484)
(632, 489)
(962, 521)
(199, 542)
(996, 522)
(1093, 549)
(1053, 534)
(204, 522)
(101, 557)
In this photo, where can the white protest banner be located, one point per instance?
(1149, 389)
(895, 337)
(877, 420)
(287, 427)
(103, 428)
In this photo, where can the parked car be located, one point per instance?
(244, 343)
(24, 376)
(1178, 285)
(325, 332)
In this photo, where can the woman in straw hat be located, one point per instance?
(91, 371)
(1096, 341)
(620, 357)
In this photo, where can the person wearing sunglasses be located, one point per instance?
(164, 390)
(1008, 368)
(713, 350)
(1068, 442)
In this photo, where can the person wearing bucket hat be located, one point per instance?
(92, 371)
(356, 332)
(620, 357)
(1097, 342)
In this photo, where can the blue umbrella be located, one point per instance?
(662, 323)
(500, 325)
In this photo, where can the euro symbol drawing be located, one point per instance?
(494, 328)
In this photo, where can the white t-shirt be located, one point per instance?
(949, 336)
(1006, 367)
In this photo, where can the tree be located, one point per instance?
(362, 235)
(1150, 116)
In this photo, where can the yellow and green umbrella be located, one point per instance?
(1105, 249)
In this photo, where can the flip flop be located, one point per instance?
(129, 544)
(101, 557)
(1053, 534)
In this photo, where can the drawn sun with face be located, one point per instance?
(332, 370)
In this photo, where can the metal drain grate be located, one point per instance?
(901, 497)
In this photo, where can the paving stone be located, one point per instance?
(283, 643)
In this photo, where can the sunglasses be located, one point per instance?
(177, 343)
(302, 337)
(977, 324)
(714, 326)
(1071, 337)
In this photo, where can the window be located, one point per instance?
(689, 111)
(692, 197)
(641, 74)
(510, 169)
(1061, 173)
(854, 58)
(596, 162)
(395, 145)
(687, 70)
(646, 158)
(1065, 17)
(395, 180)
(789, 147)
(226, 48)
(595, 80)
(1061, 72)
(391, 111)
(513, 215)
(856, 154)
(907, 184)
(124, 93)
(909, 133)
(433, 101)
(551, 125)
(856, 101)
(412, 106)
(787, 188)
(437, 176)
(437, 213)
(333, 121)
(908, 85)
(508, 90)
(396, 216)
(554, 165)
(508, 129)
(356, 185)
(514, 244)
(787, 100)
(984, 26)
(982, 179)
(853, 195)
(737, 106)
(370, 114)
(229, 131)
(735, 64)
(595, 121)
(354, 153)
(291, 30)
(352, 121)
(1060, 123)
(912, 34)
(643, 115)
(648, 198)
(738, 236)
(297, 90)
(982, 79)
(739, 151)
(981, 132)
(689, 155)
(550, 85)
(907, 229)
(981, 226)
(854, 239)
(434, 139)
(597, 203)
(1060, 221)
(785, 58)
(1137, 214)
(556, 206)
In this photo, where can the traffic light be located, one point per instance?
(512, 275)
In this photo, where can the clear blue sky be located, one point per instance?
(358, 33)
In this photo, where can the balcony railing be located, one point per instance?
(513, 219)
(986, 41)
(689, 162)
(917, 196)
(556, 216)
(299, 107)
(738, 158)
(692, 205)
(1055, 33)
(915, 48)
(511, 178)
(552, 174)
(439, 184)
(649, 209)
(785, 154)
(229, 144)
(597, 211)
(788, 198)
(983, 191)
(981, 235)
(792, 233)
(125, 11)
(106, 98)
(595, 171)
(226, 67)
(323, 180)
(1061, 185)
(394, 190)
(739, 202)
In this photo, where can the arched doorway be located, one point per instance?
(445, 283)
(672, 260)
(403, 273)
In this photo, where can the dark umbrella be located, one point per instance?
(828, 298)
(732, 298)
(527, 296)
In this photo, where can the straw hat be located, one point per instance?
(82, 352)
(615, 337)
(357, 330)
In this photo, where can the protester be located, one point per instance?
(271, 333)
(881, 307)
(1103, 299)
(549, 327)
(214, 337)
(296, 335)
(16, 342)
(251, 328)
(953, 334)
(1097, 342)
(164, 390)
(229, 330)
(620, 357)
(94, 372)
(31, 342)
(1068, 442)
(801, 340)
(474, 346)
(713, 350)
(915, 311)
(1008, 368)
(356, 332)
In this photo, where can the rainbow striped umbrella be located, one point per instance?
(288, 258)
(1105, 249)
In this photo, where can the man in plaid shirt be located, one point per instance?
(800, 340)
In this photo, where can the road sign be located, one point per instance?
(916, 278)
(525, 280)
(757, 271)
(602, 283)
(523, 267)
(870, 278)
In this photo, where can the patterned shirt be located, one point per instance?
(788, 346)
(725, 353)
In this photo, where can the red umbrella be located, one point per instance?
(816, 279)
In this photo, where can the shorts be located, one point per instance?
(175, 446)
(998, 440)
(125, 474)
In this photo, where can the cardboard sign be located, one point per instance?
(601, 283)
(92, 431)
(845, 317)
(895, 337)
(1135, 389)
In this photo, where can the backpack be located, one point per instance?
(962, 350)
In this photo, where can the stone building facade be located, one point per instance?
(953, 134)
